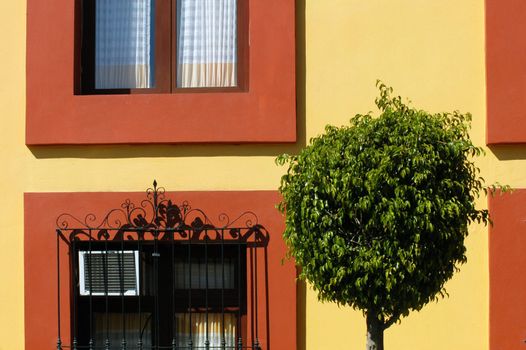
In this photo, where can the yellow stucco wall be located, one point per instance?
(433, 53)
(430, 51)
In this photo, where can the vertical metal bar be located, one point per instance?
(256, 302)
(140, 233)
(90, 268)
(267, 310)
(223, 342)
(190, 340)
(250, 252)
(73, 288)
(106, 301)
(240, 339)
(174, 328)
(207, 342)
(59, 340)
(156, 256)
(123, 315)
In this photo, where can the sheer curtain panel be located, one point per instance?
(124, 44)
(199, 330)
(206, 43)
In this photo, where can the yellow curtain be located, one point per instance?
(199, 330)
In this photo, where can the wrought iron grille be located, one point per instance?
(161, 276)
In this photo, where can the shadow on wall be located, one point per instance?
(301, 314)
(301, 287)
(509, 152)
(201, 150)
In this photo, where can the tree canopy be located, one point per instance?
(377, 211)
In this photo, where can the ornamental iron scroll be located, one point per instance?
(156, 224)
(159, 218)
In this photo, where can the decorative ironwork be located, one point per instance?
(157, 225)
(161, 218)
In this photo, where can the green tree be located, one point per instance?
(377, 211)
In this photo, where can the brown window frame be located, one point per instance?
(165, 51)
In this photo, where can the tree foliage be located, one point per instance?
(377, 211)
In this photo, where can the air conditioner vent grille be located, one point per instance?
(111, 272)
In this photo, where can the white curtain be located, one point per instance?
(199, 335)
(114, 334)
(123, 44)
(206, 43)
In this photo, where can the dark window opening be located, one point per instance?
(184, 292)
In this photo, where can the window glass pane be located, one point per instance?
(198, 324)
(198, 273)
(206, 43)
(124, 44)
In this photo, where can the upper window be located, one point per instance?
(160, 71)
(131, 46)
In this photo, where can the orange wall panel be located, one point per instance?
(506, 71)
(507, 256)
(277, 317)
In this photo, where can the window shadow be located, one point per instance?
(509, 152)
(161, 151)
(301, 287)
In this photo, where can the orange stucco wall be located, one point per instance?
(507, 248)
(276, 294)
(506, 83)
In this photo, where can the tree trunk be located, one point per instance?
(375, 333)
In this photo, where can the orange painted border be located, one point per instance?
(506, 71)
(42, 209)
(507, 259)
(265, 112)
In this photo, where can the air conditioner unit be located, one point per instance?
(112, 272)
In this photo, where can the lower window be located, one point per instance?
(156, 274)
(154, 294)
